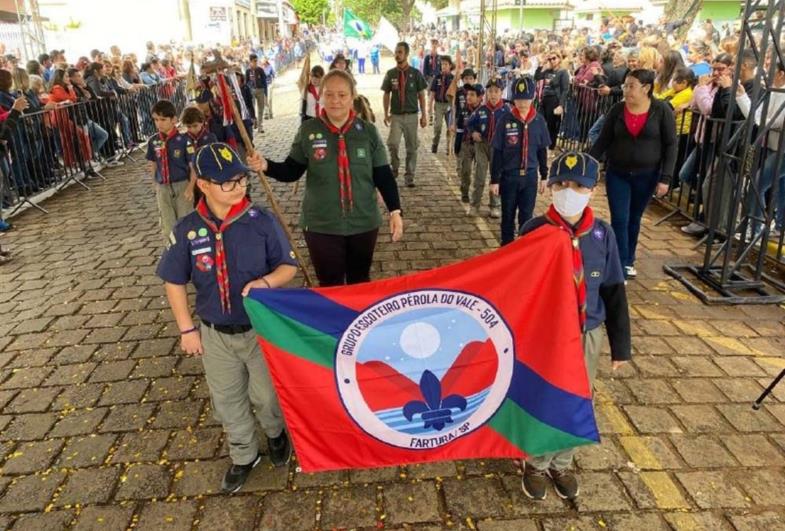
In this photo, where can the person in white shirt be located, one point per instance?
(311, 107)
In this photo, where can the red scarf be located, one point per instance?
(443, 87)
(402, 85)
(575, 233)
(199, 135)
(221, 271)
(525, 141)
(492, 118)
(344, 174)
(315, 93)
(165, 154)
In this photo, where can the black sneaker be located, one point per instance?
(280, 449)
(434, 148)
(235, 477)
(565, 483)
(465, 198)
(534, 482)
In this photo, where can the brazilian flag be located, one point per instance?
(353, 26)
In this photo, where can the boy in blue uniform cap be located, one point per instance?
(170, 155)
(459, 111)
(520, 147)
(225, 248)
(440, 100)
(602, 298)
(466, 156)
(481, 125)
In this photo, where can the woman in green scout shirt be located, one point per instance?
(346, 163)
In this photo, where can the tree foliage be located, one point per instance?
(310, 11)
(684, 11)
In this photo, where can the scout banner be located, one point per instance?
(474, 360)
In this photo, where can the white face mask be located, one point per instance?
(569, 203)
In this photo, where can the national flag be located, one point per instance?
(354, 26)
(226, 109)
(245, 114)
(386, 35)
(453, 88)
(478, 359)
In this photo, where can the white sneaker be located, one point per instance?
(473, 212)
(694, 229)
(496, 212)
(630, 272)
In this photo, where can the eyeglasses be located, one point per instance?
(631, 86)
(230, 186)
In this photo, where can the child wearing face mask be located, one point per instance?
(599, 282)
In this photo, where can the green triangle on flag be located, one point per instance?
(354, 26)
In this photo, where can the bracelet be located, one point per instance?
(194, 329)
(263, 279)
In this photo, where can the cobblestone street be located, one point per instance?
(105, 425)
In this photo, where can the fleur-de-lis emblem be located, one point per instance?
(435, 411)
(225, 153)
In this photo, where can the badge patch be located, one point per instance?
(253, 213)
(191, 234)
(319, 153)
(360, 153)
(311, 136)
(202, 250)
(172, 239)
(200, 241)
(423, 338)
(177, 153)
(292, 255)
(595, 274)
(204, 263)
(571, 161)
(226, 153)
(512, 139)
(598, 233)
(203, 232)
(190, 149)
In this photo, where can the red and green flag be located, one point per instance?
(478, 359)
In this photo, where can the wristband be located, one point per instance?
(194, 329)
(263, 279)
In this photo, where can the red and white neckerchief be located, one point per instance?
(344, 173)
(443, 87)
(313, 91)
(196, 138)
(584, 226)
(492, 118)
(221, 270)
(165, 138)
(525, 140)
(402, 84)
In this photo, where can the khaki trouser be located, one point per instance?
(238, 380)
(258, 95)
(592, 344)
(465, 164)
(406, 125)
(482, 158)
(440, 110)
(172, 205)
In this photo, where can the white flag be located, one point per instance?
(386, 35)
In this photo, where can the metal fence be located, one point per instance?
(51, 149)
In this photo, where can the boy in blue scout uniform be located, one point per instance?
(459, 113)
(170, 155)
(466, 156)
(440, 101)
(225, 248)
(520, 147)
(572, 180)
(481, 125)
(195, 124)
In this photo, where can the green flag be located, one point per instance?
(354, 26)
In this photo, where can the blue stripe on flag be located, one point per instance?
(549, 404)
(308, 308)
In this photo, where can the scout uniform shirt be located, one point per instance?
(315, 146)
(484, 120)
(254, 245)
(204, 137)
(509, 147)
(461, 109)
(432, 65)
(403, 99)
(439, 87)
(172, 164)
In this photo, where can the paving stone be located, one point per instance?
(656, 366)
(158, 367)
(475, 497)
(141, 446)
(195, 444)
(711, 490)
(66, 338)
(744, 419)
(26, 378)
(581, 523)
(88, 485)
(647, 521)
(739, 366)
(28, 427)
(649, 453)
(601, 492)
(35, 400)
(767, 521)
(141, 481)
(305, 480)
(104, 518)
(173, 388)
(701, 419)
(654, 392)
(411, 503)
(177, 414)
(86, 451)
(79, 396)
(127, 392)
(196, 478)
(32, 457)
(30, 493)
(350, 507)
(375, 475)
(74, 354)
(31, 358)
(697, 366)
(600, 456)
(112, 371)
(153, 348)
(266, 477)
(168, 516)
(52, 521)
(79, 422)
(440, 469)
(652, 419)
(127, 417)
(507, 525)
(752, 450)
(234, 512)
(70, 374)
(698, 390)
(761, 484)
(702, 451)
(289, 510)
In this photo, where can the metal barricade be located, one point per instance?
(582, 117)
(53, 148)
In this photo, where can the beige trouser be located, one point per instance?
(465, 164)
(592, 344)
(258, 95)
(482, 157)
(406, 125)
(172, 205)
(440, 109)
(238, 380)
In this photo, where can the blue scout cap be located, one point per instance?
(523, 89)
(204, 96)
(495, 82)
(477, 87)
(468, 72)
(575, 166)
(219, 163)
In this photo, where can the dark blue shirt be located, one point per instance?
(254, 244)
(180, 151)
(439, 87)
(480, 121)
(432, 65)
(204, 138)
(256, 78)
(508, 146)
(461, 109)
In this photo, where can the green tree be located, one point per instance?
(310, 11)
